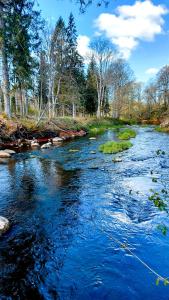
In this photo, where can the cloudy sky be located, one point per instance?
(138, 29)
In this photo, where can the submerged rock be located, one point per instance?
(4, 225)
(4, 154)
(46, 146)
(92, 138)
(74, 150)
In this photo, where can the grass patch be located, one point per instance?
(115, 147)
(162, 129)
(96, 131)
(126, 134)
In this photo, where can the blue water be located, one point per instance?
(65, 209)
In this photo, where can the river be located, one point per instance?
(68, 210)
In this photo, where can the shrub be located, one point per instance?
(114, 147)
(126, 134)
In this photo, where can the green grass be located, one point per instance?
(162, 129)
(115, 147)
(96, 131)
(126, 134)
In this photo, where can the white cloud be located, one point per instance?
(83, 48)
(131, 24)
(152, 71)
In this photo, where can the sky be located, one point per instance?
(139, 30)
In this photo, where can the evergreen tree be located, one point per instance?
(74, 65)
(90, 102)
(23, 23)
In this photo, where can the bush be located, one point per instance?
(126, 134)
(114, 147)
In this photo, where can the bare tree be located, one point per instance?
(103, 54)
(122, 78)
(163, 86)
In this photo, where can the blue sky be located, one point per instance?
(139, 29)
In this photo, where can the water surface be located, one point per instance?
(65, 207)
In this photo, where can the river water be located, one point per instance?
(66, 211)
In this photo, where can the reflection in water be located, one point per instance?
(40, 236)
(58, 206)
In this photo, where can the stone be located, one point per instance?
(4, 154)
(4, 225)
(10, 151)
(35, 145)
(92, 138)
(3, 161)
(46, 146)
(118, 159)
(92, 152)
(57, 140)
(73, 150)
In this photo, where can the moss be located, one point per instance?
(126, 134)
(115, 147)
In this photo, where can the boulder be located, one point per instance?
(4, 225)
(46, 146)
(4, 154)
(10, 151)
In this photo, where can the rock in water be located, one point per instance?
(34, 145)
(117, 159)
(4, 154)
(92, 138)
(4, 225)
(57, 140)
(10, 151)
(46, 146)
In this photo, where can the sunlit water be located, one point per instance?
(65, 207)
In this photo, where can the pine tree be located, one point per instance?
(22, 36)
(74, 65)
(91, 89)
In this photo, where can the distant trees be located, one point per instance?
(122, 83)
(156, 94)
(43, 74)
(103, 54)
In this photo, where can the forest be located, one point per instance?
(42, 74)
(84, 150)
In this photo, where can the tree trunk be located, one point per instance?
(5, 71)
(74, 110)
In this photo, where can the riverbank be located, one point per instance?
(19, 133)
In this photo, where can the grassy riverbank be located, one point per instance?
(15, 128)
